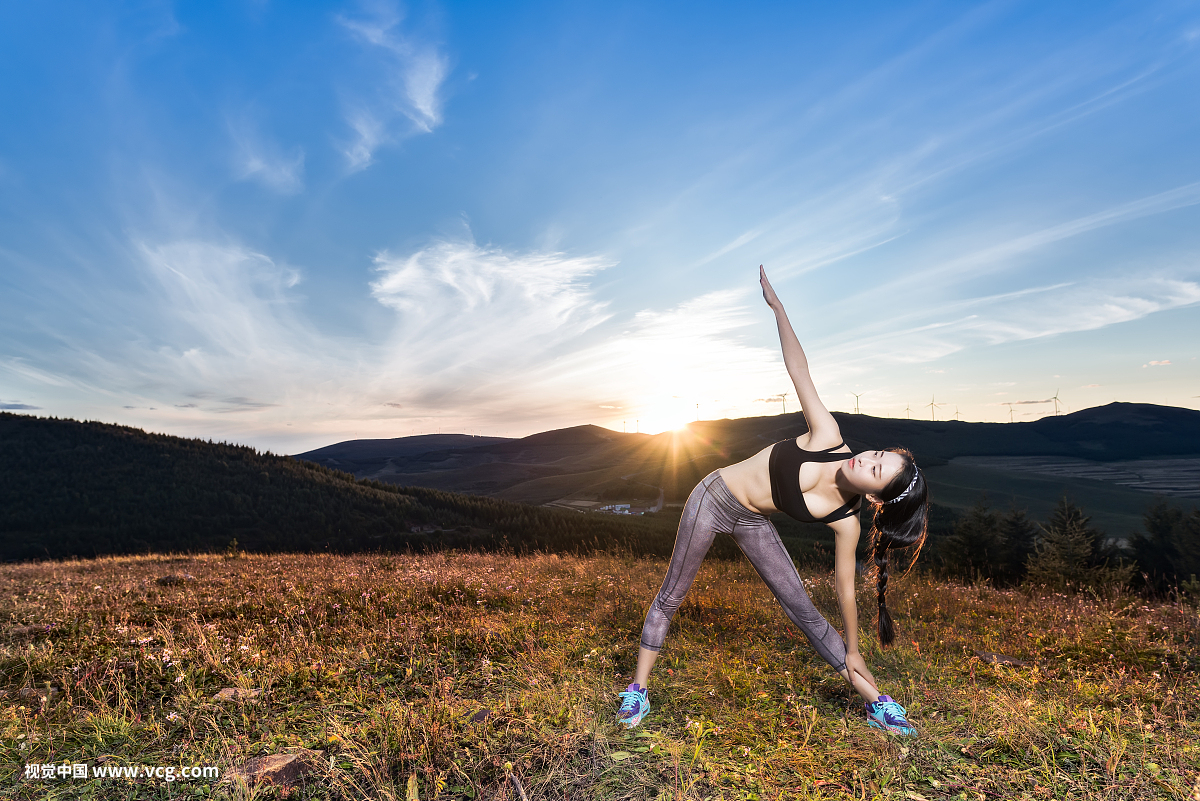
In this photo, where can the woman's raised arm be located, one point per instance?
(823, 429)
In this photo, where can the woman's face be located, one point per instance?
(870, 471)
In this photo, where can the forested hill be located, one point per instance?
(84, 489)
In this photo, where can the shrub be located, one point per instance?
(988, 545)
(1169, 550)
(1073, 556)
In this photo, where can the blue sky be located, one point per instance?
(291, 224)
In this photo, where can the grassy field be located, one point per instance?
(435, 676)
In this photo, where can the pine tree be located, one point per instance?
(1067, 556)
(1157, 550)
(1187, 541)
(1067, 514)
(1019, 534)
(975, 550)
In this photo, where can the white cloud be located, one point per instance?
(486, 337)
(369, 133)
(999, 256)
(227, 300)
(936, 331)
(470, 318)
(410, 74)
(480, 336)
(256, 158)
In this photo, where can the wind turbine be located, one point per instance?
(908, 411)
(1010, 410)
(933, 404)
(955, 412)
(783, 397)
(856, 395)
(1056, 402)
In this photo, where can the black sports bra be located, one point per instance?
(786, 458)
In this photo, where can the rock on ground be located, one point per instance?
(281, 770)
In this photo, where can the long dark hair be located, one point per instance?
(897, 524)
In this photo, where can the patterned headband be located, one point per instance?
(904, 494)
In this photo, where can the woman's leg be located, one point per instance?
(646, 660)
(761, 544)
(698, 526)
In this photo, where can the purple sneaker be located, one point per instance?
(888, 715)
(634, 706)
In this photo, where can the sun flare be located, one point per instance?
(666, 417)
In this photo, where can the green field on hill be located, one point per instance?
(1116, 510)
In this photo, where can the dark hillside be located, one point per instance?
(1124, 431)
(677, 460)
(85, 489)
(578, 467)
(361, 455)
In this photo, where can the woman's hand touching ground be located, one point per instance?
(768, 293)
(860, 677)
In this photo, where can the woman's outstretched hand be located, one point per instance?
(857, 670)
(768, 293)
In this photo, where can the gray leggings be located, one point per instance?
(712, 509)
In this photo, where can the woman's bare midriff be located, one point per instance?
(750, 482)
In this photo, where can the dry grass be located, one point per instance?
(381, 661)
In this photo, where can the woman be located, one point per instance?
(813, 478)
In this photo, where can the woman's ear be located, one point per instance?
(872, 498)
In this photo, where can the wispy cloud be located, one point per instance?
(369, 134)
(478, 335)
(932, 332)
(409, 83)
(468, 317)
(999, 255)
(257, 158)
(858, 194)
(15, 406)
(239, 404)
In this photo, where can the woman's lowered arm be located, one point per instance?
(846, 532)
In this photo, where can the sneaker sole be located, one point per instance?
(630, 723)
(897, 730)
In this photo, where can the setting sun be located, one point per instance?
(672, 414)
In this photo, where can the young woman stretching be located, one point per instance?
(813, 478)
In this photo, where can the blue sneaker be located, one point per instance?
(888, 715)
(634, 706)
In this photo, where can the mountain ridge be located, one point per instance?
(580, 464)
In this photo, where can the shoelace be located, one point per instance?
(633, 699)
(884, 707)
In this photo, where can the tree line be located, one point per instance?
(1006, 548)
